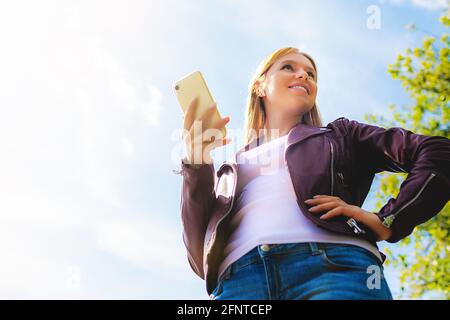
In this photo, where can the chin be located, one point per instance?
(303, 102)
(304, 107)
(297, 110)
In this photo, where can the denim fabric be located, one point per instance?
(297, 271)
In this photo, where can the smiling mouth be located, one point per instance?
(300, 88)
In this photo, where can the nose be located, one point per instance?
(302, 74)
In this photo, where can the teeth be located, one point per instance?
(299, 87)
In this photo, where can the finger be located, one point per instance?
(323, 207)
(323, 196)
(339, 211)
(221, 123)
(198, 141)
(193, 145)
(216, 131)
(203, 135)
(189, 116)
(320, 200)
(213, 133)
(211, 146)
(218, 143)
(208, 112)
(197, 129)
(323, 199)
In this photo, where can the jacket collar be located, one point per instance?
(297, 134)
(303, 131)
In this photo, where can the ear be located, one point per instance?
(260, 89)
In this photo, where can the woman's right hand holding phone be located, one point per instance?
(199, 139)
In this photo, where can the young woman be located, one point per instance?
(282, 219)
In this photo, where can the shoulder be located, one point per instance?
(341, 125)
(344, 126)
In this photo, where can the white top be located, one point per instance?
(266, 209)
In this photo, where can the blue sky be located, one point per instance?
(89, 125)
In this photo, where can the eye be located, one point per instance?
(287, 65)
(311, 75)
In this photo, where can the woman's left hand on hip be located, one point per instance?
(335, 206)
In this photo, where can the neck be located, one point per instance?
(278, 125)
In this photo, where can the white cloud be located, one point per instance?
(155, 247)
(353, 57)
(152, 108)
(126, 94)
(393, 2)
(127, 147)
(431, 4)
(24, 274)
(426, 4)
(83, 96)
(71, 117)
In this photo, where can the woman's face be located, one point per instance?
(290, 85)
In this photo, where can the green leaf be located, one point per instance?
(424, 73)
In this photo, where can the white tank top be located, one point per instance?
(266, 210)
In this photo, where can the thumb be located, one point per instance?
(216, 144)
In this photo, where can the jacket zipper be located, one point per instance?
(351, 222)
(341, 176)
(213, 236)
(332, 170)
(320, 222)
(387, 221)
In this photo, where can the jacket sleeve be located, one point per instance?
(197, 197)
(426, 159)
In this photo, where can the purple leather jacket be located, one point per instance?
(340, 159)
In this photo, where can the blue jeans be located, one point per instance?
(296, 271)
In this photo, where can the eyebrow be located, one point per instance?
(296, 63)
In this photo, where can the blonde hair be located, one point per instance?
(255, 112)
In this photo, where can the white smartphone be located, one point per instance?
(194, 85)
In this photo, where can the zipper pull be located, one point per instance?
(341, 176)
(356, 229)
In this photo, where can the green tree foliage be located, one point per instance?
(424, 72)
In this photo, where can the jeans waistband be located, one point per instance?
(257, 253)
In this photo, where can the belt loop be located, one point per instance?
(314, 249)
